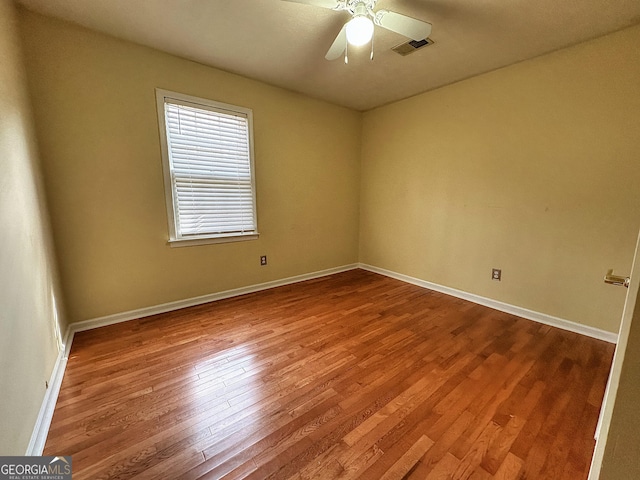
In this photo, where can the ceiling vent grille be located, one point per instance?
(405, 49)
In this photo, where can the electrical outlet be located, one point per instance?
(263, 260)
(496, 274)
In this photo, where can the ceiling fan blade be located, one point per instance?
(331, 4)
(409, 27)
(339, 44)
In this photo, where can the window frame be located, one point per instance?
(176, 239)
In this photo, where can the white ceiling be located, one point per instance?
(284, 43)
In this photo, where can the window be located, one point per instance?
(207, 153)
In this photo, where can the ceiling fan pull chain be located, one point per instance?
(346, 53)
(372, 37)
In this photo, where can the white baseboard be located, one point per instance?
(190, 302)
(43, 422)
(503, 307)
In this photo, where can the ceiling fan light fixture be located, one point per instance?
(359, 30)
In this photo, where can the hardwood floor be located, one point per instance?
(350, 376)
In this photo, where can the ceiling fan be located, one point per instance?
(359, 30)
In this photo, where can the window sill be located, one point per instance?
(188, 242)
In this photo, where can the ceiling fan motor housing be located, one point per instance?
(359, 8)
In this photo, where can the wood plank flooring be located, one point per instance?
(350, 376)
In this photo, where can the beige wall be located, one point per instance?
(522, 169)
(94, 104)
(533, 169)
(28, 346)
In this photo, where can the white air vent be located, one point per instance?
(411, 46)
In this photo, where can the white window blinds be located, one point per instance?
(210, 162)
